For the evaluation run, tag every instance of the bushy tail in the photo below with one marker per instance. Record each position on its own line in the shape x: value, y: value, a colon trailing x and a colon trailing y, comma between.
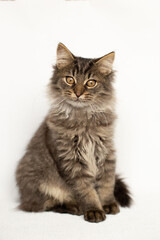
x: 122, y: 193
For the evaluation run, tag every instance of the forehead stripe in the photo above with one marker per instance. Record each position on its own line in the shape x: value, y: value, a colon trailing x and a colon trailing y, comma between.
x: 87, y: 68
x: 89, y: 74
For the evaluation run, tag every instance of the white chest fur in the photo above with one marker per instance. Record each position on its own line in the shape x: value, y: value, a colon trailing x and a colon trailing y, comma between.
x: 93, y: 152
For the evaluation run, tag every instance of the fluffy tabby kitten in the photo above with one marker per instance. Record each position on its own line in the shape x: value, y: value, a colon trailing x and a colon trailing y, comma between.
x: 69, y: 164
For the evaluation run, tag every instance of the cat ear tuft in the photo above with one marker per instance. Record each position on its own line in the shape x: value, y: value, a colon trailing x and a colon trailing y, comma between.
x: 64, y: 56
x: 105, y: 63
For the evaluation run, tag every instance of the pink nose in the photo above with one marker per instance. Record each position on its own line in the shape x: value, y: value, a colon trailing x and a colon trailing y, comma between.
x: 78, y: 94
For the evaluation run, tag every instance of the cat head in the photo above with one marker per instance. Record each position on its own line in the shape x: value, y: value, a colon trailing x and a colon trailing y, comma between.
x: 82, y: 82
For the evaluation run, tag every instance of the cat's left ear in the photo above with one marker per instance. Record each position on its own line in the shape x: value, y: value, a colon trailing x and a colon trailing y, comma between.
x: 105, y: 63
x: 64, y: 56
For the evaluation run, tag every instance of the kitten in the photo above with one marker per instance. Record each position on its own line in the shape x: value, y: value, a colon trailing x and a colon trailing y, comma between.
x: 69, y: 164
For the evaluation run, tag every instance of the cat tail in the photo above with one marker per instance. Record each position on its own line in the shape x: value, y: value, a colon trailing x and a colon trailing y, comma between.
x: 122, y: 193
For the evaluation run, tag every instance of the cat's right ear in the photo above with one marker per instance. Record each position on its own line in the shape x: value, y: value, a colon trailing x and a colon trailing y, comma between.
x: 64, y: 56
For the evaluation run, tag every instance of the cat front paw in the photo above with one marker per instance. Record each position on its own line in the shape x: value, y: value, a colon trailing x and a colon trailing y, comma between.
x: 73, y: 209
x: 94, y: 216
x: 70, y: 208
x: 112, y: 208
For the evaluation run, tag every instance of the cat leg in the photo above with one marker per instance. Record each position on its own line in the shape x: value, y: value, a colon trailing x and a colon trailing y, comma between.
x: 106, y: 194
x: 33, y: 201
x: 76, y: 175
x: 90, y: 202
x: 105, y: 189
x: 87, y: 199
x: 38, y: 202
x: 65, y: 201
x: 81, y: 199
x: 61, y: 198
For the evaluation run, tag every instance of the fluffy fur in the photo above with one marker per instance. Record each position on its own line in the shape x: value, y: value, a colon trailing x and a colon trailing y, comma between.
x: 69, y: 164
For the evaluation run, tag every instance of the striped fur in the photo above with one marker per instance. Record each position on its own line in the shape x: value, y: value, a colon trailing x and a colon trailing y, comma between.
x: 69, y: 165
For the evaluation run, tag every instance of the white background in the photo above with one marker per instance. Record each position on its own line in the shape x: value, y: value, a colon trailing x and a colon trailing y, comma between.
x: 29, y: 34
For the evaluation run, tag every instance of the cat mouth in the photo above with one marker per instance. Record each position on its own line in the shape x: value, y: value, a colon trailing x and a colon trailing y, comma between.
x: 80, y: 100
x: 77, y: 102
x: 77, y: 99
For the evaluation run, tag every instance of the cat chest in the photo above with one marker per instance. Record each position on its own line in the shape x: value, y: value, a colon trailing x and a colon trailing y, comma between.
x: 92, y: 152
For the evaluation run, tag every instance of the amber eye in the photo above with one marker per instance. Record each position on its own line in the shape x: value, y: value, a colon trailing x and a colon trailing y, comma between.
x: 91, y: 83
x: 69, y: 80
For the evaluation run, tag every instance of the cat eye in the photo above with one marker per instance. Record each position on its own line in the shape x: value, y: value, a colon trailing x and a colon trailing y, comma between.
x: 69, y: 80
x: 91, y: 83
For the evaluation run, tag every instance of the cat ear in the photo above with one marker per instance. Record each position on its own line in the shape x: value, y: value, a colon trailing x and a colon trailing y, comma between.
x: 64, y: 56
x: 105, y: 63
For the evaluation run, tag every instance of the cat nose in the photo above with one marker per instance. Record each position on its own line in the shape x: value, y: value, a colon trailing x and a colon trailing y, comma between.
x: 78, y: 94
